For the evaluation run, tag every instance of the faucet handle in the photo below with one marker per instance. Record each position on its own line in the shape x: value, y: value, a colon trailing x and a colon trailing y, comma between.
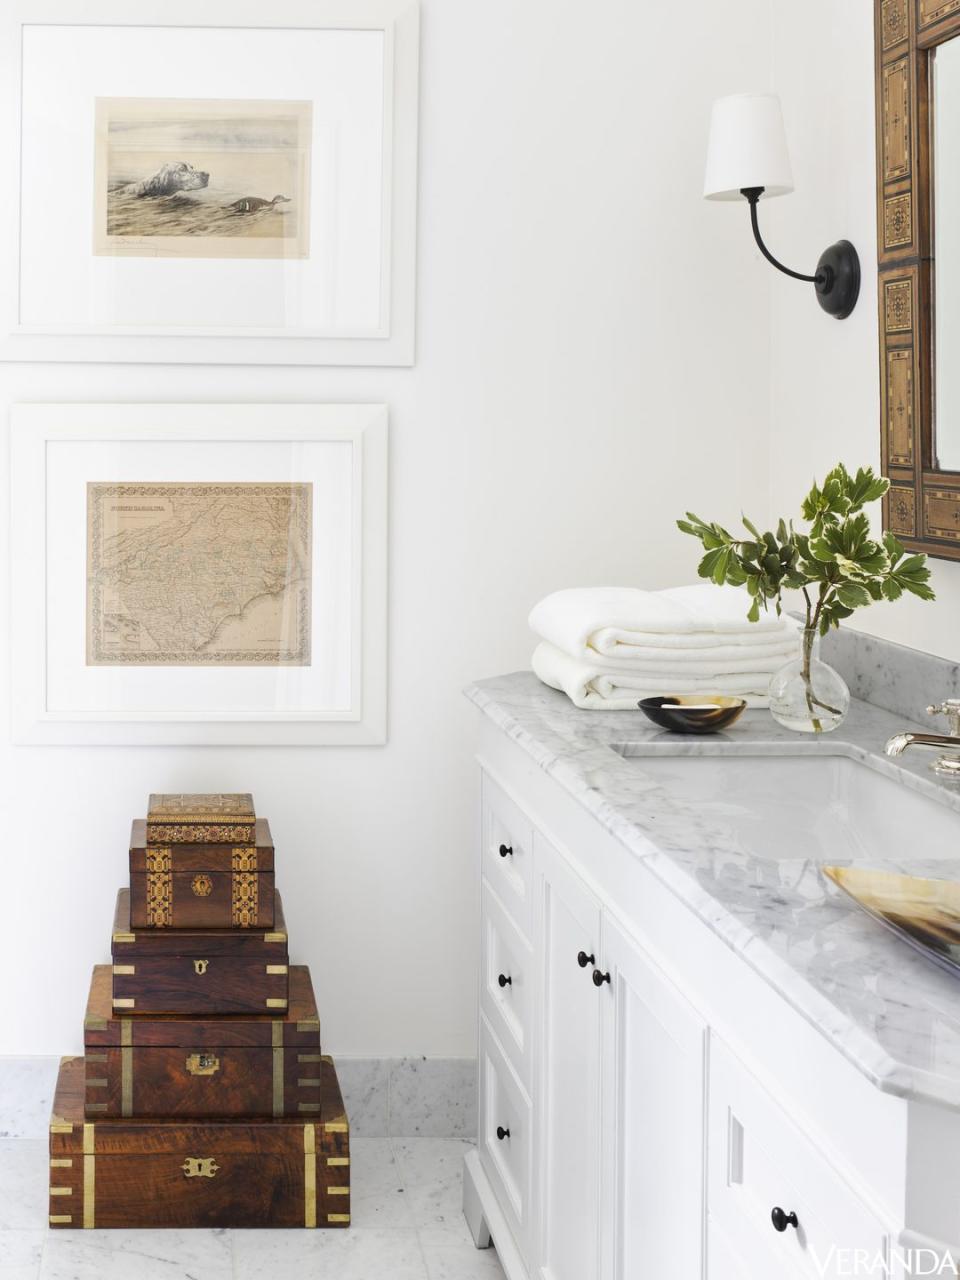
x: 950, y: 707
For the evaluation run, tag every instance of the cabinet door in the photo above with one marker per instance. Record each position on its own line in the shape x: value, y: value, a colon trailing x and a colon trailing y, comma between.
x: 654, y: 1048
x: 569, y: 1073
x: 762, y: 1157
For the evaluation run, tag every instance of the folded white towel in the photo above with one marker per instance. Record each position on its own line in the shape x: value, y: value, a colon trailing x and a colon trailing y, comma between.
x: 598, y: 688
x: 614, y: 623
x: 724, y: 660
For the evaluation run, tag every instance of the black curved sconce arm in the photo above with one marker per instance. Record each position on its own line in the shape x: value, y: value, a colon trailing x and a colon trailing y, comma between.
x: 753, y: 195
x: 837, y: 280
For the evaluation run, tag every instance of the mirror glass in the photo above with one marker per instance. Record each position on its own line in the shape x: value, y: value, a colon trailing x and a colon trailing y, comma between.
x: 945, y: 90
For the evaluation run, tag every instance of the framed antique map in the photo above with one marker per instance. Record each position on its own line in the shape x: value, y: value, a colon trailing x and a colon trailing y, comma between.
x: 193, y: 574
x: 199, y: 573
x: 209, y: 181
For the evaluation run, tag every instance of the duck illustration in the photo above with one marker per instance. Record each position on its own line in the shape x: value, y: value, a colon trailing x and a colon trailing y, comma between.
x: 253, y: 204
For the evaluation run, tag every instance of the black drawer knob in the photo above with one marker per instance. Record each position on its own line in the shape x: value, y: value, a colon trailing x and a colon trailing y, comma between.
x: 583, y: 959
x: 600, y: 978
x: 502, y: 1133
x: 504, y: 980
x: 506, y: 849
x: 782, y: 1220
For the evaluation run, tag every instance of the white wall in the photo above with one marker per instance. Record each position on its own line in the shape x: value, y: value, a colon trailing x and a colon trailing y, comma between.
x: 825, y: 389
x: 593, y: 359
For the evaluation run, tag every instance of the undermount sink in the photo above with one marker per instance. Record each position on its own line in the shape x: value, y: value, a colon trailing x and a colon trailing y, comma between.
x: 827, y: 808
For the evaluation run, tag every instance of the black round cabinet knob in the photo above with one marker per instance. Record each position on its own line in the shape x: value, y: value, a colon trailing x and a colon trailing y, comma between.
x: 502, y: 1133
x: 504, y: 980
x: 600, y: 978
x: 505, y: 849
x: 782, y: 1220
x: 583, y: 959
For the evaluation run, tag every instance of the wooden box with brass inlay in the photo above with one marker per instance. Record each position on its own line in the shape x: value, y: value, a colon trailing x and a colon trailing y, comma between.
x: 210, y: 818
x: 201, y: 886
x: 198, y: 1173
x: 241, y: 1065
x: 198, y: 971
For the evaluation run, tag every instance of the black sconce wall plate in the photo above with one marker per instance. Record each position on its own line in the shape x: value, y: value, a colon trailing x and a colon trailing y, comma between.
x: 837, y: 278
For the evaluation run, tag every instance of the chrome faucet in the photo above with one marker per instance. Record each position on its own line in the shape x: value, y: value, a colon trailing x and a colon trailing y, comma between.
x: 947, y: 764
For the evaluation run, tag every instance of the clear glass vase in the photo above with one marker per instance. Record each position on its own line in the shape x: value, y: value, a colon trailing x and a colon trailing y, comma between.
x: 806, y: 694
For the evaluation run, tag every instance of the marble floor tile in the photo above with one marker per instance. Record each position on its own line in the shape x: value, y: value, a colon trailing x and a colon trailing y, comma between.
x: 450, y: 1254
x: 378, y: 1197
x: 24, y: 1183
x: 432, y: 1174
x: 26, y: 1095
x: 353, y: 1254
x: 137, y: 1255
x: 433, y: 1098
x: 363, y: 1082
x: 20, y: 1254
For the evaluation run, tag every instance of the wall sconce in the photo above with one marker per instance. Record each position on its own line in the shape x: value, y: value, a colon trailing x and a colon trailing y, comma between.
x: 747, y: 156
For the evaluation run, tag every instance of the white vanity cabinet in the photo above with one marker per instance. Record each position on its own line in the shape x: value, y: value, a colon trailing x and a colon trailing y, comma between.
x: 620, y: 1187
x: 758, y: 1158
x: 647, y: 1100
x: 604, y: 1131
x: 567, y: 1071
x: 653, y: 1059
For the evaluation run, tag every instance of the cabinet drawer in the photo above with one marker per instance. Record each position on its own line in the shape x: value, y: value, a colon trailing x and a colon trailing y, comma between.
x: 507, y: 836
x: 506, y: 965
x: 758, y: 1160
x: 504, y: 1109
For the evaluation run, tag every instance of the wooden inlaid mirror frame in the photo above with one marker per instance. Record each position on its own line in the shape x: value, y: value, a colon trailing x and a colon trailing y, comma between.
x: 923, y: 505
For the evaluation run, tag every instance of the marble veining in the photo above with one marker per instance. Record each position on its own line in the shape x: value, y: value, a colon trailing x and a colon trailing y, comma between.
x: 364, y: 1083
x: 904, y: 681
x: 891, y: 1012
x: 26, y: 1096
x: 148, y: 1255
x: 24, y: 1184
x: 433, y: 1098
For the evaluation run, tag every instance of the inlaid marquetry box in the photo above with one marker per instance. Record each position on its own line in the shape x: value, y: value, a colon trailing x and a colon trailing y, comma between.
x: 178, y: 1172
x: 199, y: 971
x: 241, y: 1065
x: 201, y: 886
x: 207, y: 818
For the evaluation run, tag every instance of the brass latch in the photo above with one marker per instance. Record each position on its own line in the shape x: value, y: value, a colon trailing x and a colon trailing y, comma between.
x: 203, y: 1064
x: 200, y: 1166
x: 200, y: 966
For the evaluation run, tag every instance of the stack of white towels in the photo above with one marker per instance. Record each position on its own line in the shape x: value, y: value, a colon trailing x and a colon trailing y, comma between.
x: 607, y: 647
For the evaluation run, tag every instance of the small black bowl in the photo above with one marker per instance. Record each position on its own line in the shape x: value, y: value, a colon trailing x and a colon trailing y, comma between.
x: 692, y: 714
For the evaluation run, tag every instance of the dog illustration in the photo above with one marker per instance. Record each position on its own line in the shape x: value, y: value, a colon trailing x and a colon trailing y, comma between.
x: 170, y: 180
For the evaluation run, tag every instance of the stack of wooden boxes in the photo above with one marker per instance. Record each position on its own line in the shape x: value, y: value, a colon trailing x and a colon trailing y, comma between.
x: 202, y: 1098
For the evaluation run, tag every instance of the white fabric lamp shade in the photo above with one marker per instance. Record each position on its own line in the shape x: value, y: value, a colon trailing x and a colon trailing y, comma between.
x: 747, y: 148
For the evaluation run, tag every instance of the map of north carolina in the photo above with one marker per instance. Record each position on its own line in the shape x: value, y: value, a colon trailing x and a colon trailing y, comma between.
x: 197, y: 574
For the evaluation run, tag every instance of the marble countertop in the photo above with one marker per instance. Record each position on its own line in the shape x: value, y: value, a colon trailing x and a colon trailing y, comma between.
x: 888, y: 1009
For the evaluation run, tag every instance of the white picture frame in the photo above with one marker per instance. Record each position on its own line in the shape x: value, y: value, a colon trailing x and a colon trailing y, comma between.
x: 61, y: 453
x: 349, y: 301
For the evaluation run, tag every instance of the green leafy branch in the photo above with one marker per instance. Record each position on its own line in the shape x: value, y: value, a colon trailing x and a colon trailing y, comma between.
x: 837, y: 565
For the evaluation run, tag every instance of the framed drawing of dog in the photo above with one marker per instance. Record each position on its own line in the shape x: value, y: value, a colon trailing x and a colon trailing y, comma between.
x: 209, y: 181
x: 202, y: 179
